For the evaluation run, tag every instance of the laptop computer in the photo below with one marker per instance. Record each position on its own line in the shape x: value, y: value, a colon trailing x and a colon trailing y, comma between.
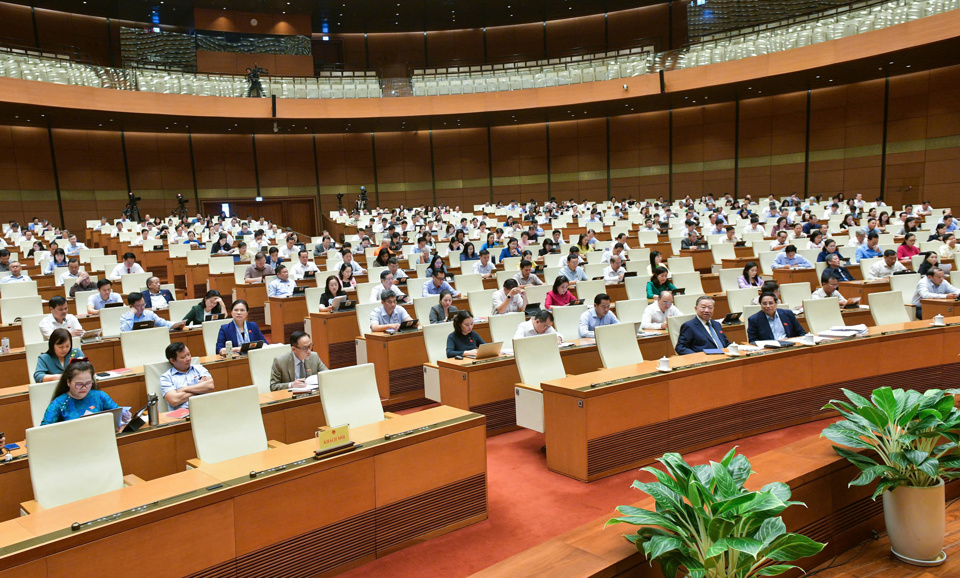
x: 142, y: 325
x: 488, y: 350
x: 731, y: 318
x: 250, y: 345
x: 299, y: 291
x: 409, y: 325
x: 91, y: 336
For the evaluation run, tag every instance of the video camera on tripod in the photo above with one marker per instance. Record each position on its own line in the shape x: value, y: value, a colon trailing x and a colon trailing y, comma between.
x: 182, y: 207
x: 362, y: 199
x: 132, y: 211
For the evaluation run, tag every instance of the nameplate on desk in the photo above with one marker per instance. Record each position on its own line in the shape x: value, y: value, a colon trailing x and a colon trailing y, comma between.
x: 328, y: 439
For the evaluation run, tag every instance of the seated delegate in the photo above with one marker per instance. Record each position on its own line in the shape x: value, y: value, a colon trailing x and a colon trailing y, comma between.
x: 60, y: 351
x: 211, y: 304
x: 184, y: 380
x: 440, y: 312
x: 539, y: 324
x: 656, y: 314
x: 138, y: 312
x: 293, y: 368
x: 772, y: 323
x: 463, y: 341
x: 155, y: 297
x: 702, y: 332
x: 388, y: 315
x: 597, y: 316
x: 59, y: 318
x: 238, y: 331
x: 102, y: 297
x: 77, y: 395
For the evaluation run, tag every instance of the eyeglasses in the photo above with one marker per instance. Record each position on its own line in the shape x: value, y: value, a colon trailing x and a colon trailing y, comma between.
x: 306, y: 348
x: 83, y: 384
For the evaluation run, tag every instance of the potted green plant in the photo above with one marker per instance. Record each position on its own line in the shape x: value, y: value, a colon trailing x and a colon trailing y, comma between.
x: 707, y: 525
x: 914, y: 436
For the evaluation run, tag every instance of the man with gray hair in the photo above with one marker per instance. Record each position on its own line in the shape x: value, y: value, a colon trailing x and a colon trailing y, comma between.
x: 701, y: 333
x: 155, y: 297
x: 858, y: 237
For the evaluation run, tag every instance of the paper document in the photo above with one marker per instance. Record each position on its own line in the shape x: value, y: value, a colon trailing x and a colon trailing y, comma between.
x: 647, y: 334
x: 835, y: 333
x: 749, y: 348
x: 567, y: 344
x: 853, y: 328
x: 768, y: 343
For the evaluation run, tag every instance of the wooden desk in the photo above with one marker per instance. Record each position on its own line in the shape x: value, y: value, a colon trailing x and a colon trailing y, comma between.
x: 930, y: 308
x: 594, y: 429
x: 784, y: 276
x: 863, y: 289
x: 333, y: 337
x: 702, y: 259
x: 303, y: 517
x: 222, y: 282
x: 286, y: 316
x: 195, y: 280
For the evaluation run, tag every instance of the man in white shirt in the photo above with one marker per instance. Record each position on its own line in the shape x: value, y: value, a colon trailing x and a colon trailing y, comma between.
x: 858, y: 238
x: 16, y: 274
x: 616, y: 250
x: 615, y: 272
x: 933, y: 286
x: 885, y: 267
x: 656, y: 314
x: 348, y: 260
x: 283, y: 285
x: 59, y: 318
x: 72, y: 272
x: 540, y: 324
x: 828, y: 288
x: 780, y: 243
x: 949, y: 248
x: 128, y: 266
x: 512, y: 298
x: 288, y: 250
x: 305, y: 266
x: 754, y: 226
x: 483, y: 266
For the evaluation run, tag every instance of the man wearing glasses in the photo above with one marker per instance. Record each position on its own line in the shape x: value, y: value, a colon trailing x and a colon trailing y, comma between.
x: 292, y: 369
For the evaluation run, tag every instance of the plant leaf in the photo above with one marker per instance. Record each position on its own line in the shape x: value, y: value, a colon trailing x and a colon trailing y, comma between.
x: 656, y: 546
x: 778, y: 489
x: 859, y: 460
x: 885, y: 401
x: 748, y: 546
x: 774, y: 570
x: 726, y: 488
x: 931, y: 467
x: 739, y: 469
x: 644, y: 518
x: 916, y: 457
x: 791, y: 547
x: 855, y: 397
x: 770, y: 529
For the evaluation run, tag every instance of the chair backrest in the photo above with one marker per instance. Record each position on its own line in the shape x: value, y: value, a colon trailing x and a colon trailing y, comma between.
x: 422, y: 305
x: 110, y: 320
x: 738, y: 298
x: 687, y: 301
x: 680, y: 264
x: 537, y: 293
x: 865, y: 265
x: 674, y: 323
x: 636, y: 287
x: 363, y: 291
x: 538, y: 359
x: 238, y: 272
x: 728, y: 279
x: 906, y: 284
x: 689, y: 281
x: 887, y: 308
x: 312, y: 295
x: 503, y: 327
x: 86, y: 254
x: 566, y: 320
x: 40, y: 395
x: 179, y: 309
x: 766, y: 261
x: 151, y: 374
x: 13, y: 307
x: 749, y: 311
x: 349, y: 396
x: 81, y: 298
x: 104, y: 263
x: 221, y: 265
x: 587, y: 290
x: 511, y: 264
x: 481, y: 302
x: 618, y: 345
x: 197, y: 258
x: 22, y: 289
x: 363, y: 316
x: 144, y: 346
x: 227, y: 424
x: 631, y: 310
x: 210, y: 331
x: 134, y: 282
x: 793, y: 294
x: 594, y: 270
x: 722, y: 251
x: 261, y: 362
x: 822, y: 314
x: 30, y: 327
x: 435, y: 339
x: 502, y: 276
x: 469, y: 283
x: 73, y: 460
x: 415, y: 286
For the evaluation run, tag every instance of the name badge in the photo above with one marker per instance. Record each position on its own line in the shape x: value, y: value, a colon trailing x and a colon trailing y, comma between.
x: 328, y: 439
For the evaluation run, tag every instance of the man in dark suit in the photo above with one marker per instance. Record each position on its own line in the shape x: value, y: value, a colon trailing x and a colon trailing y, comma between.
x: 772, y: 324
x: 835, y: 269
x: 701, y: 332
x: 155, y: 297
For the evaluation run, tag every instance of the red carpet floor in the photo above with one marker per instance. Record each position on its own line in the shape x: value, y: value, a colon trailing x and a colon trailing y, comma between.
x: 528, y: 504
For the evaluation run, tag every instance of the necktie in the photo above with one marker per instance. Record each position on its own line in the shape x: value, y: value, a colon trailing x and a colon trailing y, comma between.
x: 128, y: 270
x: 301, y: 370
x: 713, y: 335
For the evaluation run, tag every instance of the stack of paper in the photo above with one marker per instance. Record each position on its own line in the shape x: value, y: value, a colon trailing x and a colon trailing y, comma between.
x: 311, y: 385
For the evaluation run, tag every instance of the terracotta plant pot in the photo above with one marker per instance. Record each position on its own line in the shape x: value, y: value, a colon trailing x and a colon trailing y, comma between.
x: 916, y: 521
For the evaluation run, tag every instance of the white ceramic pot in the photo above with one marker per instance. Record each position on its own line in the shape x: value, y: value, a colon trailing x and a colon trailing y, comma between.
x: 916, y: 521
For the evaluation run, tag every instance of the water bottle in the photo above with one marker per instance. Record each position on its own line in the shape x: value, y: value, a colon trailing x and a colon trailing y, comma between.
x: 153, y: 413
x: 5, y: 345
x: 229, y: 347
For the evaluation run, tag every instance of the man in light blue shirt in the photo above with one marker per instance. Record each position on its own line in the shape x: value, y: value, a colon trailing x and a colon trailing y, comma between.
x: 184, y: 380
x: 598, y: 316
x: 789, y: 259
x: 388, y: 315
x: 73, y: 248
x: 138, y: 312
x: 950, y: 223
x: 102, y: 297
x: 934, y: 286
x: 16, y: 274
x: 437, y: 284
x: 573, y: 271
x: 283, y: 285
x: 869, y: 249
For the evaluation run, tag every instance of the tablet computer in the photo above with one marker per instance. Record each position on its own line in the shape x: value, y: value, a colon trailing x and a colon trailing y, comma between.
x: 488, y: 350
x: 409, y: 325
x: 91, y: 336
x: 299, y: 291
x: 250, y: 345
x: 142, y: 325
x: 109, y: 305
x: 731, y: 318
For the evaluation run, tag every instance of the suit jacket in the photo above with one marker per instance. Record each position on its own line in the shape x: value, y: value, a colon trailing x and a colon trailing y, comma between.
x: 758, y: 329
x: 284, y: 371
x: 842, y: 272
x: 165, y: 293
x: 228, y: 332
x: 694, y: 338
